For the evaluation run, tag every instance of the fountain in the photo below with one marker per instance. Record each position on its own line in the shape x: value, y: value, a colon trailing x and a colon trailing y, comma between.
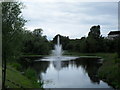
x: 58, y: 48
x: 57, y: 54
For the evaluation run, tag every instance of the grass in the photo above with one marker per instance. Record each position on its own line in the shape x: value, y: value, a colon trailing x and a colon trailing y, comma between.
x: 14, y: 76
x: 109, y: 71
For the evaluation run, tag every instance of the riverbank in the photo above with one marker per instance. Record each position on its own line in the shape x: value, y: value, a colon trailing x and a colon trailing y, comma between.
x: 109, y: 71
x: 15, y: 79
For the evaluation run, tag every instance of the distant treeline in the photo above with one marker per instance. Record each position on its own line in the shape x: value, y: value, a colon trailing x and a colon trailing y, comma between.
x: 93, y: 43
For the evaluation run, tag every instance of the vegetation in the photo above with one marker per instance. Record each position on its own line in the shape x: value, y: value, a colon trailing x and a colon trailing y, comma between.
x: 17, y: 41
x: 12, y: 26
x: 109, y: 72
x: 16, y: 80
x: 31, y: 74
x: 35, y: 43
x: 93, y: 43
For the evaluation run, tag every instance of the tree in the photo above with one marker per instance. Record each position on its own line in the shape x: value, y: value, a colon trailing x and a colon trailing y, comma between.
x: 94, y: 32
x: 94, y: 39
x: 35, y: 43
x: 12, y: 26
x: 84, y: 45
x: 38, y: 32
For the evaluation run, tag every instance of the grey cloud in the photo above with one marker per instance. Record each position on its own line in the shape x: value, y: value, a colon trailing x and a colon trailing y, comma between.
x: 71, y: 17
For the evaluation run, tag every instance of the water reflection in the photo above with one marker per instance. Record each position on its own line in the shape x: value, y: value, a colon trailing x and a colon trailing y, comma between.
x: 78, y: 73
x: 91, y: 67
x: 57, y: 65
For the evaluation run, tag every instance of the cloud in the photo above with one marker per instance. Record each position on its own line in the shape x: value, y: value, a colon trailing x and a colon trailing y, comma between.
x: 71, y: 19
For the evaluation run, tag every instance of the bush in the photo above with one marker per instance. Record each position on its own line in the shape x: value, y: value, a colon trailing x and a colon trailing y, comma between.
x: 17, y: 66
x: 30, y: 73
x: 110, y: 73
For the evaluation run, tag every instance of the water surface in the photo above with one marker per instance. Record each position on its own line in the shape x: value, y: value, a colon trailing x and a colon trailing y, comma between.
x: 77, y: 73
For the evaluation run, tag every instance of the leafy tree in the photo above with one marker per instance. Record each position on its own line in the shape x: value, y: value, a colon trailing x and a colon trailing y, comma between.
x: 94, y: 32
x: 92, y: 45
x: 84, y: 45
x: 93, y: 39
x: 38, y: 32
x: 71, y: 45
x: 12, y: 26
x: 35, y: 43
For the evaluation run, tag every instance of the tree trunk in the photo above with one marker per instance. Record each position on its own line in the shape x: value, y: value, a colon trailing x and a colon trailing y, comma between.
x: 3, y: 71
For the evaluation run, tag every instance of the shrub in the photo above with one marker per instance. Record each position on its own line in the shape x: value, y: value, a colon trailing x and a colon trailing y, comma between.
x: 30, y: 73
x: 17, y: 66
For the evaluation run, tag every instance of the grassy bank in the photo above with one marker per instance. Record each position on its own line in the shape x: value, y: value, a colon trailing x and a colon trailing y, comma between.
x: 14, y: 79
x: 109, y: 71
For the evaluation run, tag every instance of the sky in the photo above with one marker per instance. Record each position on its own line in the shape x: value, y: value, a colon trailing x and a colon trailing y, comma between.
x: 71, y: 18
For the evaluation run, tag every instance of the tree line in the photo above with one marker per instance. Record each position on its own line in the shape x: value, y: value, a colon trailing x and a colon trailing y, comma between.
x: 93, y: 43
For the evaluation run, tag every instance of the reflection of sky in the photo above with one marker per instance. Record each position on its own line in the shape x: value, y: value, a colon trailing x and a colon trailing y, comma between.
x: 70, y: 77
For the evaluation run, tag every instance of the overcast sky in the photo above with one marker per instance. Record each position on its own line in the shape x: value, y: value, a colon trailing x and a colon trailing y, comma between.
x: 70, y: 18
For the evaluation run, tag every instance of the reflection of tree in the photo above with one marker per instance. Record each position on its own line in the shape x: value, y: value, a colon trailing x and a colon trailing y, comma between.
x: 57, y: 65
x: 91, y: 66
x: 41, y: 67
x: 65, y: 64
x: 27, y: 61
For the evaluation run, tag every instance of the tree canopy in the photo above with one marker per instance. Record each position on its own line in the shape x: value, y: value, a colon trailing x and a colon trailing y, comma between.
x: 94, y: 32
x: 12, y: 26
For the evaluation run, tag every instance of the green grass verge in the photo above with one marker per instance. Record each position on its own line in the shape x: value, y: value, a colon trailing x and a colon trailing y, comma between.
x: 14, y: 76
x: 109, y: 71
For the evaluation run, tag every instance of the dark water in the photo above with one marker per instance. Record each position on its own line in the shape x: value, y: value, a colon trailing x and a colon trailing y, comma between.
x: 78, y: 73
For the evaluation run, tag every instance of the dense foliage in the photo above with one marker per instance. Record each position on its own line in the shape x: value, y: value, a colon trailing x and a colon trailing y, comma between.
x: 34, y: 43
x: 12, y: 26
x: 16, y: 40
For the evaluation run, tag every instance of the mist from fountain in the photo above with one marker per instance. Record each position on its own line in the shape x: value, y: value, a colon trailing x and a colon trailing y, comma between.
x: 58, y: 48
